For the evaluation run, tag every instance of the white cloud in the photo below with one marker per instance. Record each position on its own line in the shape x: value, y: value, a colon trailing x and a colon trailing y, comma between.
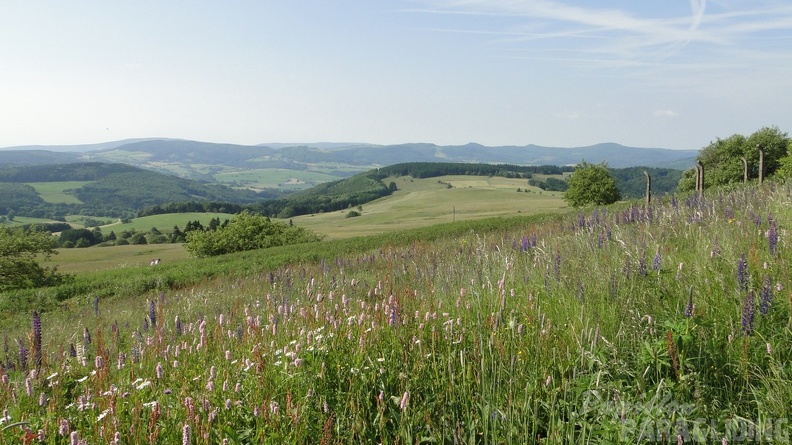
x: 665, y: 113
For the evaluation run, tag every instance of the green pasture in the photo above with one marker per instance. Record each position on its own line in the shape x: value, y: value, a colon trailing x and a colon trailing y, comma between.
x: 424, y: 202
x: 417, y: 203
x: 24, y: 220
x: 122, y: 156
x: 57, y: 192
x: 165, y: 222
x: 76, y: 261
x: 275, y: 178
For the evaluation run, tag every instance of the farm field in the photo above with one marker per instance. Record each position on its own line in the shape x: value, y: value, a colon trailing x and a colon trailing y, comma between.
x: 274, y: 178
x: 56, y: 192
x: 164, y: 222
x: 86, y: 260
x: 414, y: 205
x: 423, y: 202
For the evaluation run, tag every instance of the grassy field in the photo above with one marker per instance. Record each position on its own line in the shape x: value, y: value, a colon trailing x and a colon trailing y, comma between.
x: 414, y: 205
x: 165, y: 222
x: 423, y: 202
x: 274, y: 178
x: 666, y: 323
x: 24, y: 220
x: 56, y: 192
x: 77, y: 261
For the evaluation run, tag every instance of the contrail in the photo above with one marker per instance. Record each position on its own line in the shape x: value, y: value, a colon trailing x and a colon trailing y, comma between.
x: 698, y: 7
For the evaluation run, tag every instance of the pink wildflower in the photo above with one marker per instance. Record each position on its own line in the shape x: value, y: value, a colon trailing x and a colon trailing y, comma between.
x: 404, y: 399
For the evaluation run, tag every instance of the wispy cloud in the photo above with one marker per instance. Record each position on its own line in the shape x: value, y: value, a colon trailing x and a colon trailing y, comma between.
x: 665, y: 113
x: 596, y: 37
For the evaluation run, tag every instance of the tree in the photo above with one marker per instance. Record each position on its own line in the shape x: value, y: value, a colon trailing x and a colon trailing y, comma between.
x: 19, y: 250
x: 591, y: 184
x: 722, y: 158
x: 138, y: 238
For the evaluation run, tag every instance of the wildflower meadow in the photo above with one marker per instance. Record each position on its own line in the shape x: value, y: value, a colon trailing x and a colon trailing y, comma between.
x: 661, y: 323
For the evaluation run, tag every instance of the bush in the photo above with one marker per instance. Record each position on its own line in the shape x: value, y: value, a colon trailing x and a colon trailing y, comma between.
x: 246, y: 231
x: 353, y: 214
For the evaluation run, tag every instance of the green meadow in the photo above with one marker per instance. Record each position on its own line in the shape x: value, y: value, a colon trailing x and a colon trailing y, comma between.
x: 274, y: 178
x: 164, y: 222
x: 529, y: 323
x: 58, y: 192
x: 424, y: 202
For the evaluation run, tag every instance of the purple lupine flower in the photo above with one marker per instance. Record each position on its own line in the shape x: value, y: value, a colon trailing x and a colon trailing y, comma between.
x: 86, y: 337
x: 525, y: 244
x: 689, y: 306
x: 178, y: 323
x: 748, y: 314
x: 72, y: 350
x: 152, y: 314
x: 23, y: 354
x: 394, y: 317
x: 657, y: 262
x: 767, y: 296
x: 36, y: 323
x: 772, y: 237
x: 742, y: 273
x: 96, y: 306
x: 642, y: 266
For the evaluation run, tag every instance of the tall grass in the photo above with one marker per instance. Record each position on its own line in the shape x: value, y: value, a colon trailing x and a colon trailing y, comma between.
x: 624, y: 324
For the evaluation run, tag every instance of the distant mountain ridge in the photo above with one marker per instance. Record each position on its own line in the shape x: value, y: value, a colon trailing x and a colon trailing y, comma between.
x: 175, y: 155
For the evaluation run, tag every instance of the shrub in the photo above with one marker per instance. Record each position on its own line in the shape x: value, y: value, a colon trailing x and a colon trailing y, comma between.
x: 246, y: 231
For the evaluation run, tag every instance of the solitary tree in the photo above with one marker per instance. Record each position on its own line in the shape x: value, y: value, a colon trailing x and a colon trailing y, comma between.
x: 19, y: 251
x: 591, y: 184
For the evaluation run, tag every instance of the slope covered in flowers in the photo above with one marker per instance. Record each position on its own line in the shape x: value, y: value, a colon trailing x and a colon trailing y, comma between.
x: 662, y: 322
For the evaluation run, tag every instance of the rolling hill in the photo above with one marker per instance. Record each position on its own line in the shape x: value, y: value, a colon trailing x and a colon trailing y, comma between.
x: 100, y: 189
x: 211, y: 162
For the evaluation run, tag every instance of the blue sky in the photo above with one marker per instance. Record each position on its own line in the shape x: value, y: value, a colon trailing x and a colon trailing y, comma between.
x: 671, y: 74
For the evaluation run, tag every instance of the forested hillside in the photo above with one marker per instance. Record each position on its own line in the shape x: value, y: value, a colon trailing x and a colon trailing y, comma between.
x: 114, y: 190
x: 142, y: 188
x: 87, y: 171
x: 328, y: 197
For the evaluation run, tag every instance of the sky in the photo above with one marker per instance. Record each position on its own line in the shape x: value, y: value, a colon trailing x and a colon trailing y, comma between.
x: 669, y: 74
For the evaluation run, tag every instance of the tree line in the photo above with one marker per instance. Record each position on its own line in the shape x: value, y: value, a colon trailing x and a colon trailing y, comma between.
x: 421, y: 170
